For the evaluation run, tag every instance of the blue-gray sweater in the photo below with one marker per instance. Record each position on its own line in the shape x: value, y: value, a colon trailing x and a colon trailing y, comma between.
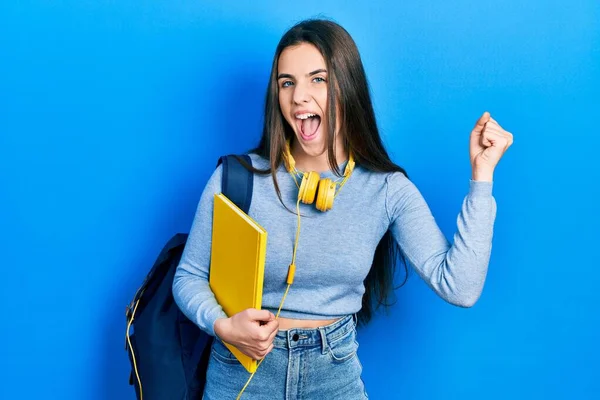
x: 336, y: 248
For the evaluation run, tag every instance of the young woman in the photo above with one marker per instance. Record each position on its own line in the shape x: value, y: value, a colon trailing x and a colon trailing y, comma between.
x: 320, y: 134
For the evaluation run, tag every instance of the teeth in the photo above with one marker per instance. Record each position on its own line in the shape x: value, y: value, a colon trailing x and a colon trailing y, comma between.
x: 305, y: 116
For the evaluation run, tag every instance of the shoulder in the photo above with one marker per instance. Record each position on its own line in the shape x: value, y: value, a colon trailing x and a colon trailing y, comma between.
x: 380, y: 181
x: 391, y: 185
x: 396, y: 180
x: 401, y: 194
x: 397, y: 183
x: 258, y: 161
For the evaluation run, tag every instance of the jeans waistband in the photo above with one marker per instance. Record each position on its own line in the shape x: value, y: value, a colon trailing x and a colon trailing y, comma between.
x: 301, y: 337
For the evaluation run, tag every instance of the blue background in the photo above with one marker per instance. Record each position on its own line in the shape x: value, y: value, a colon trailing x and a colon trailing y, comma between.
x: 113, y: 114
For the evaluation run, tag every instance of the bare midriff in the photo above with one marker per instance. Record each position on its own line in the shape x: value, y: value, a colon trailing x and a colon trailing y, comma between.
x: 290, y: 323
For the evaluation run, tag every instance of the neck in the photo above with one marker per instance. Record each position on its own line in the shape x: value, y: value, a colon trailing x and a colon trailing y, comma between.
x: 319, y: 163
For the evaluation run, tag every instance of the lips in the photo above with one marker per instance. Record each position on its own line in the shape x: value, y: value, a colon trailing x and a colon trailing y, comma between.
x: 308, y: 124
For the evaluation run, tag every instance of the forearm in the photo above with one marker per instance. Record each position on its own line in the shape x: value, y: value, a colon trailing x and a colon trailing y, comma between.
x: 462, y: 274
x: 196, y: 300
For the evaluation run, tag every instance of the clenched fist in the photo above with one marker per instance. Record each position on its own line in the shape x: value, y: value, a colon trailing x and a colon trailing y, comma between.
x: 488, y: 143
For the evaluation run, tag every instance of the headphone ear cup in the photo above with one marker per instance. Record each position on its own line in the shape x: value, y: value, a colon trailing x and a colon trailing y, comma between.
x: 308, y: 187
x: 326, y: 195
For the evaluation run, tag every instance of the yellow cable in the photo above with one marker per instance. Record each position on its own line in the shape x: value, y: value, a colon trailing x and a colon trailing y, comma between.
x: 131, y: 348
x: 294, y: 177
x: 248, y: 382
x: 341, y: 185
x: 297, y: 231
x: 290, y: 280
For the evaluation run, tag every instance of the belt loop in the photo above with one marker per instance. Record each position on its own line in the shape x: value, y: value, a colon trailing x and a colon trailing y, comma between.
x: 324, y: 344
x: 355, y: 319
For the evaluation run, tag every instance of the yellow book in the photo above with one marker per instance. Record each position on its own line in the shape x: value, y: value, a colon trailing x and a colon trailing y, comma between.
x: 237, y: 263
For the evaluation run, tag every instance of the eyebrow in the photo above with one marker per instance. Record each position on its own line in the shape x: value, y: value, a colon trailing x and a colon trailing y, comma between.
x: 309, y: 74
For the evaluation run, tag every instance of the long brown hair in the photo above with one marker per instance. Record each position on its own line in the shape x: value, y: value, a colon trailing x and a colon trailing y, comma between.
x: 349, y: 90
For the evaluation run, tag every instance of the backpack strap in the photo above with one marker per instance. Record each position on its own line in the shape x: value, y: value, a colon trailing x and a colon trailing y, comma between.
x: 237, y: 181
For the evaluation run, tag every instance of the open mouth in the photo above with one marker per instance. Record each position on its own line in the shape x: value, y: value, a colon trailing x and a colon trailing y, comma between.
x: 308, y: 124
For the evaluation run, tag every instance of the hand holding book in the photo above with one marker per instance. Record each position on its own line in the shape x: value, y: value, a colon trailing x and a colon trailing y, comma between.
x: 251, y: 331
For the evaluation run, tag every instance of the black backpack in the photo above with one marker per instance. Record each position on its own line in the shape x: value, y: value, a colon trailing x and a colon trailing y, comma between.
x: 169, y: 353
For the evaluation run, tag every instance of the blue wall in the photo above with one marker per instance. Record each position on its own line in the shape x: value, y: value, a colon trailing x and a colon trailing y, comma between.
x: 112, y: 115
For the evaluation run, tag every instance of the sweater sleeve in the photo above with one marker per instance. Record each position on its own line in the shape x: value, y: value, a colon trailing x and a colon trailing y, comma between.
x: 457, y: 271
x: 191, y: 289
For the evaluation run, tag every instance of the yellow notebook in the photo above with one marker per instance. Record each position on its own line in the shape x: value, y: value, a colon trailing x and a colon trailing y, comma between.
x: 237, y: 264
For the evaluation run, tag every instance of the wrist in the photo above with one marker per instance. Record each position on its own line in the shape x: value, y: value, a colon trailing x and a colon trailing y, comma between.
x: 220, y: 327
x: 482, y: 175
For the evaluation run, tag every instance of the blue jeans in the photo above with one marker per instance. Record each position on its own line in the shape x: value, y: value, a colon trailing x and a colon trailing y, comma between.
x: 305, y: 364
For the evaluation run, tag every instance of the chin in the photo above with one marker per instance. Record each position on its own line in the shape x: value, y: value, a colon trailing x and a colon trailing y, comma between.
x: 314, y: 148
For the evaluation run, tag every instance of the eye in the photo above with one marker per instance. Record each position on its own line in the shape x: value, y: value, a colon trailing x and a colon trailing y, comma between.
x: 286, y: 84
x: 319, y: 79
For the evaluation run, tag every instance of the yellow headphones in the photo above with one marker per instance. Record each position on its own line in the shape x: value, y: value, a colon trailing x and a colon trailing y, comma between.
x: 312, y: 185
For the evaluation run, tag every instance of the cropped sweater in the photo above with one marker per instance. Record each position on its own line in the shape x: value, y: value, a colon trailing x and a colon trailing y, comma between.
x: 336, y: 248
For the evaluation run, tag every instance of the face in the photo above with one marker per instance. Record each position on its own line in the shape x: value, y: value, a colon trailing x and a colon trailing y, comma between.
x: 302, y: 80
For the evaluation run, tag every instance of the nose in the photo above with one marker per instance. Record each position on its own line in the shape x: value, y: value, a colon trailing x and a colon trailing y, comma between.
x: 301, y: 93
